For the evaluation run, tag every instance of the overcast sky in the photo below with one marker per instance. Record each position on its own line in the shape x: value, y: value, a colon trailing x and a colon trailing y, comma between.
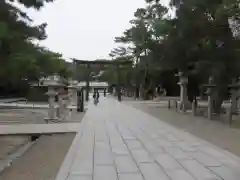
x: 85, y: 29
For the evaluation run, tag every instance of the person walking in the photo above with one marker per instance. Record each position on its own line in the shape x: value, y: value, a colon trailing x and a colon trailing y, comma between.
x: 96, y: 97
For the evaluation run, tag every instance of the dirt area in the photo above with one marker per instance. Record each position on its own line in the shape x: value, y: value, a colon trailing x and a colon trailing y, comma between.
x: 44, y: 158
x: 214, y: 132
x: 10, y: 144
x: 42, y: 161
x: 22, y: 116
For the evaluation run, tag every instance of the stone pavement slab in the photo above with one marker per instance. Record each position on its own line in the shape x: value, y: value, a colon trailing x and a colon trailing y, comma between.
x: 118, y: 142
x: 179, y: 174
x: 105, y: 172
x: 80, y: 178
x: 152, y: 171
x: 137, y: 176
x: 198, y: 170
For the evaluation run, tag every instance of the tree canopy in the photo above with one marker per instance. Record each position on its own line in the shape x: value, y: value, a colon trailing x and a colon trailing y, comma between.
x: 21, y: 58
x: 199, y: 38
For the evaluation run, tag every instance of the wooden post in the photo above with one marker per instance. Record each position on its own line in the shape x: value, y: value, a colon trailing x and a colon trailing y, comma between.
x: 137, y: 85
x: 210, y: 106
x: 194, y: 108
x: 87, y: 82
x: 176, y: 105
x: 80, y: 100
x: 210, y: 100
x: 118, y: 84
x: 229, y: 113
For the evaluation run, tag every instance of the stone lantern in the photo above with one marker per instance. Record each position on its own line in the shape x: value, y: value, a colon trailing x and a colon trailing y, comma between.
x: 73, y: 92
x: 52, y: 83
x: 210, y: 91
x: 234, y: 91
x: 184, y: 102
x: 51, y: 111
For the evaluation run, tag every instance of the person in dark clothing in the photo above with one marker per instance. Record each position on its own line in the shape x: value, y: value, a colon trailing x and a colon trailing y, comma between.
x: 96, y: 96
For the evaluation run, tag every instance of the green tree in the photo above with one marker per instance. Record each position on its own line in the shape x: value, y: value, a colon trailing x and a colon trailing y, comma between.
x: 21, y: 59
x: 207, y: 42
x: 200, y: 40
x: 144, y: 39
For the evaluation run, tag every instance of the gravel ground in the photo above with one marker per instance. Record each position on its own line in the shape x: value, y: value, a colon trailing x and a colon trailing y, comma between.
x: 42, y: 161
x: 44, y: 158
x: 214, y: 132
x: 9, y: 144
x: 22, y: 116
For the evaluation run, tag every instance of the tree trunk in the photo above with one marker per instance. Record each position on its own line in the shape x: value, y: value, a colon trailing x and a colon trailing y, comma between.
x: 137, y: 92
x: 218, y: 97
x: 143, y: 93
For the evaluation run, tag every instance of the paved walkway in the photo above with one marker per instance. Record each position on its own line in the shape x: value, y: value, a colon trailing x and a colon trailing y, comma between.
x: 118, y: 142
x: 216, y: 131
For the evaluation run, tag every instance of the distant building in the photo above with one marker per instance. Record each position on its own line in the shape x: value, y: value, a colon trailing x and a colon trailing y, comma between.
x: 55, y: 78
x: 94, y: 84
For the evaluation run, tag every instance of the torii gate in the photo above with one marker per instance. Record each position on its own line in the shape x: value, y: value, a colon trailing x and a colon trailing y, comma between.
x: 105, y: 64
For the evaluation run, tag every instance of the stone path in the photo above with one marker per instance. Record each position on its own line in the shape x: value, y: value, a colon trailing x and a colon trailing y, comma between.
x: 216, y: 131
x: 118, y: 142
